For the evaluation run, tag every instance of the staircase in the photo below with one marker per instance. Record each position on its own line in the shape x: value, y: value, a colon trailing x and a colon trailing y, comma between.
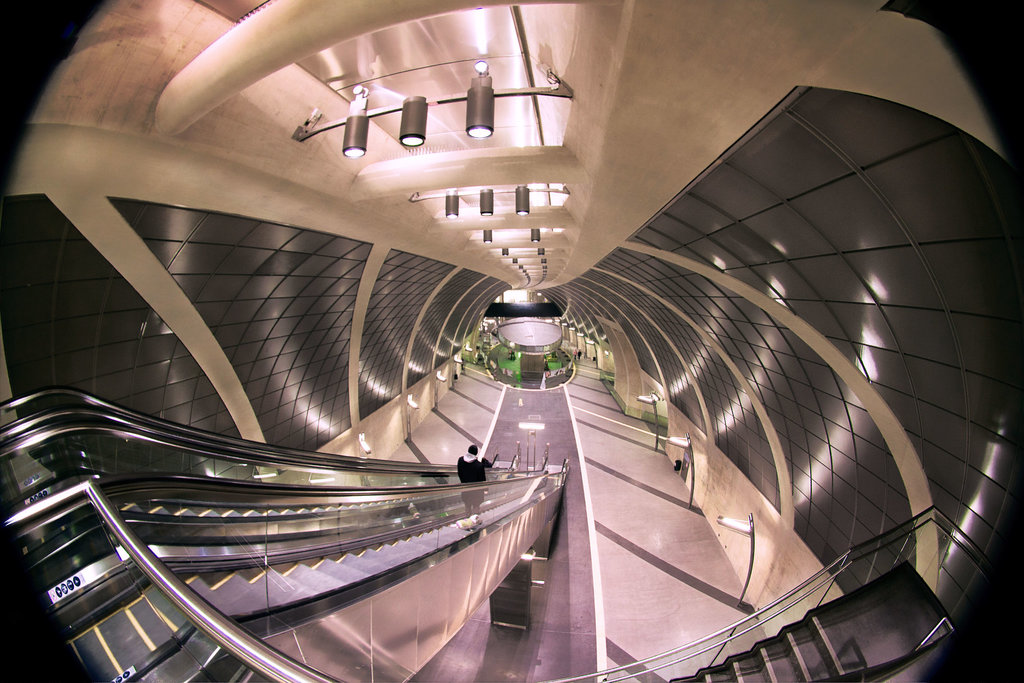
x: 850, y: 638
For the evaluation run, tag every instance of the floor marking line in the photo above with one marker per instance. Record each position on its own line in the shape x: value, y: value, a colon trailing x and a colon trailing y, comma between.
x: 641, y: 672
x: 672, y: 570
x: 457, y: 427
x: 639, y: 484
x: 471, y: 400
x: 623, y: 424
x: 599, y: 625
x: 494, y: 421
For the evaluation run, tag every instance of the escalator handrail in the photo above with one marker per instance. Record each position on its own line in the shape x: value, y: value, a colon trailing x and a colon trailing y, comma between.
x: 58, y: 425
x: 244, y: 646
x: 42, y: 424
x: 248, y: 649
x: 88, y: 407
x: 826, y: 575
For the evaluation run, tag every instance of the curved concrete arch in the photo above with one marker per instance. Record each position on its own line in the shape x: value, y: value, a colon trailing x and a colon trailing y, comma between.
x: 279, y: 34
x: 611, y: 304
x: 705, y: 414
x: 89, y: 210
x: 786, y: 508
x: 374, y: 262
x: 907, y: 460
x: 407, y: 356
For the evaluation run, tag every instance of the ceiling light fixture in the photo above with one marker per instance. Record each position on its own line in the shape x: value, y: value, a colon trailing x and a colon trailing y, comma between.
x: 451, y: 204
x: 523, y: 200
x: 535, y: 234
x: 515, y: 260
x: 488, y: 237
x: 480, y: 103
x: 486, y: 202
x: 413, y: 132
x: 504, y: 251
x: 540, y: 251
x: 357, y: 125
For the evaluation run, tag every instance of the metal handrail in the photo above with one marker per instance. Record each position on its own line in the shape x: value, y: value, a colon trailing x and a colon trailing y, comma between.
x: 88, y: 408
x: 248, y: 649
x: 826, y: 575
x: 244, y: 646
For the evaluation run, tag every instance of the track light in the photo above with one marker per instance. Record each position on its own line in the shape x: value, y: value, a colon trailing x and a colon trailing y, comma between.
x: 413, y: 132
x: 504, y: 251
x: 451, y: 204
x: 523, y: 200
x: 488, y: 237
x: 480, y: 104
x: 357, y: 125
x: 486, y: 202
x: 534, y: 233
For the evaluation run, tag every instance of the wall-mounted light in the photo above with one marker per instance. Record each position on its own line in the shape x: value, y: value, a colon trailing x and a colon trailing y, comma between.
x: 412, y: 403
x: 534, y: 233
x: 451, y: 204
x: 480, y: 103
x: 362, y: 444
x: 652, y: 399
x: 681, y: 441
x: 413, y: 131
x: 684, y: 443
x: 742, y: 526
x: 523, y: 200
x: 357, y: 125
x: 440, y: 376
x: 486, y: 202
x: 746, y: 528
x: 488, y: 237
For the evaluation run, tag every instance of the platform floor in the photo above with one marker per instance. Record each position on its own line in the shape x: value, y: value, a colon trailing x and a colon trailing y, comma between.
x: 632, y: 572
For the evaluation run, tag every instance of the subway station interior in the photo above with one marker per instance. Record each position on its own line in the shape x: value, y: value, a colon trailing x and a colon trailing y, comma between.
x: 727, y: 293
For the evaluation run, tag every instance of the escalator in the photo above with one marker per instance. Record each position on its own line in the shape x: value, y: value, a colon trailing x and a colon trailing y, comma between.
x: 154, y: 575
x: 58, y: 437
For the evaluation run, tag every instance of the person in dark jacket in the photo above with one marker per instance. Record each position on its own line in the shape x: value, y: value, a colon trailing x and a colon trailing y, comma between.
x: 472, y: 468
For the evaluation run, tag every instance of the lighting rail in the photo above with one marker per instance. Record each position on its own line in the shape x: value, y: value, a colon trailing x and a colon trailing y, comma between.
x: 310, y: 128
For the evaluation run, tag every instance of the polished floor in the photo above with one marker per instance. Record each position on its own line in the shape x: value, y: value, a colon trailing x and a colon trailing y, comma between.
x: 632, y: 571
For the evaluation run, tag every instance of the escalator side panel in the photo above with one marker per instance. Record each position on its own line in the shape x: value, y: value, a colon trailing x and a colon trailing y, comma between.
x: 338, y: 644
x: 395, y: 632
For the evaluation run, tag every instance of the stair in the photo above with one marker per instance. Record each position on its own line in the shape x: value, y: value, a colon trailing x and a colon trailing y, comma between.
x: 869, y: 627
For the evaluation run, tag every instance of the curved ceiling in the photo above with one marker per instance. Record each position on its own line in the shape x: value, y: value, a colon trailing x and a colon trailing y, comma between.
x: 799, y: 217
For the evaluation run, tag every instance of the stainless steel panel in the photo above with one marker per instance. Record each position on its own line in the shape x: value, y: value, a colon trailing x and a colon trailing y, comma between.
x: 339, y: 644
x: 394, y: 630
x: 434, y: 597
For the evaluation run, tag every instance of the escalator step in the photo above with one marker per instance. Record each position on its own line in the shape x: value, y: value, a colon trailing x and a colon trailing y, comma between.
x: 251, y: 575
